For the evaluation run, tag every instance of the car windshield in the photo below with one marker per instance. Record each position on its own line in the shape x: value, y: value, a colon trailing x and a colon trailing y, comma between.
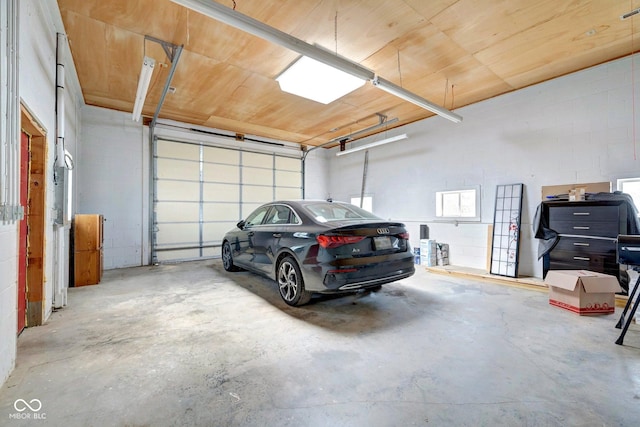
x: 328, y: 211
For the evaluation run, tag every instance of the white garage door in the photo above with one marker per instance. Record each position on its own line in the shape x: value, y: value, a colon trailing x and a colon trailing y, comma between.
x: 201, y: 191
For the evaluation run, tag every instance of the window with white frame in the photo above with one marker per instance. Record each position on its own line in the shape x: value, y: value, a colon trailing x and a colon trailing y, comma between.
x: 367, y: 202
x: 631, y: 186
x: 461, y: 205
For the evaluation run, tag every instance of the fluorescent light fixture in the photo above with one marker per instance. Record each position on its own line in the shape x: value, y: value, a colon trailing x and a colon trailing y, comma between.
x: 400, y: 92
x: 319, y: 82
x: 143, y: 86
x: 373, y: 144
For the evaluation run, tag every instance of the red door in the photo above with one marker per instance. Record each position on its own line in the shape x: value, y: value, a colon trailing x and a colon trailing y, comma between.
x: 22, y: 249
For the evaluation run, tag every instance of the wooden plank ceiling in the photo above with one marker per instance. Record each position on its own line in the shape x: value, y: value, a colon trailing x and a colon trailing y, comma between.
x: 451, y: 52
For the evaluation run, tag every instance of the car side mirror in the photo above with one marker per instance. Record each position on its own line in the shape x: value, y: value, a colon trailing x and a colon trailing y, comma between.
x: 240, y: 224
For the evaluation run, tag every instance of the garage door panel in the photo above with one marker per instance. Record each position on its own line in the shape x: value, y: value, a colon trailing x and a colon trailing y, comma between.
x: 257, y: 160
x: 288, y: 193
x: 221, y: 155
x: 221, y: 192
x: 177, y: 191
x: 212, y: 252
x: 256, y: 194
x: 178, y: 150
x: 288, y: 179
x: 247, y: 208
x: 201, y: 192
x: 221, y: 212
x: 220, y: 173
x: 288, y: 164
x: 257, y: 176
x: 177, y: 255
x: 214, y: 232
x: 170, y: 234
x: 178, y: 169
x: 177, y: 212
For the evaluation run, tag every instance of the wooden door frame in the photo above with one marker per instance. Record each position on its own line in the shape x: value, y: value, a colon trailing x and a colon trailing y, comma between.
x: 35, y: 212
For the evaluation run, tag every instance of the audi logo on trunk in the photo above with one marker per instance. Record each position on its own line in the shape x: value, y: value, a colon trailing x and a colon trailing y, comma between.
x: 383, y: 231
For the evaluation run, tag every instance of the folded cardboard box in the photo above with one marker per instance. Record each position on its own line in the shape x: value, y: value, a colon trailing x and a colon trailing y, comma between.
x: 582, y: 291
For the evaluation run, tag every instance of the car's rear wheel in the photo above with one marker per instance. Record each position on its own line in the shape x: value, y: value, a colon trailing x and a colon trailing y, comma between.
x: 227, y: 258
x: 290, y: 283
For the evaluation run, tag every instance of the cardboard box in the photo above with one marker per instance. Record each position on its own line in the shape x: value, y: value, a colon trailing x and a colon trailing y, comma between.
x: 581, y: 291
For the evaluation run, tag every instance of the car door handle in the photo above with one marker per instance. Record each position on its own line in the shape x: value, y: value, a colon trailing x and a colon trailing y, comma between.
x: 277, y: 235
x: 250, y: 233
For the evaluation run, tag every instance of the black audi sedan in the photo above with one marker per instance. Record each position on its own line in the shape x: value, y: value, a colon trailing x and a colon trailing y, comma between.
x: 317, y: 246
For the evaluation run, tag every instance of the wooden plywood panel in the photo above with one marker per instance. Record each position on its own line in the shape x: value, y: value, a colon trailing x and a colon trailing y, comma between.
x: 225, y: 77
x: 493, y: 21
x: 554, y: 40
x: 357, y: 38
x: 87, y: 232
x: 87, y: 39
x: 423, y: 51
x: 87, y: 267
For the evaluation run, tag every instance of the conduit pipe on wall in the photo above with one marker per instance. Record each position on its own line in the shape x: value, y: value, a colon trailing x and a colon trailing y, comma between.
x: 60, y: 251
x: 60, y: 43
x: 10, y: 209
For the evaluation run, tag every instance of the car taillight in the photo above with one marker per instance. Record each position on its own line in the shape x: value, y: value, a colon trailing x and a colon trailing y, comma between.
x: 404, y: 236
x: 335, y: 241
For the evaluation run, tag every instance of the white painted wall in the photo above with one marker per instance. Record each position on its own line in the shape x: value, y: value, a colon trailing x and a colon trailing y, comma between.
x: 574, y: 129
x: 111, y: 181
x: 317, y: 174
x: 39, y: 21
x: 8, y: 230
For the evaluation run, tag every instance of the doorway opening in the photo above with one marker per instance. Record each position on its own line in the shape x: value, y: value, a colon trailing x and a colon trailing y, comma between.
x: 32, y: 255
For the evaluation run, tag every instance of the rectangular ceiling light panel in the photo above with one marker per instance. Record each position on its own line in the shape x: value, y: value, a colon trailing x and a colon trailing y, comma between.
x: 319, y: 82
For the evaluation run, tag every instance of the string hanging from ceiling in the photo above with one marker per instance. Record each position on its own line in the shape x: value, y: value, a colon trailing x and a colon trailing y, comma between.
x: 399, y: 68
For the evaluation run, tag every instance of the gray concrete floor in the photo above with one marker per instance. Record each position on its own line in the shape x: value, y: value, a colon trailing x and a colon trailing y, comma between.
x: 190, y: 344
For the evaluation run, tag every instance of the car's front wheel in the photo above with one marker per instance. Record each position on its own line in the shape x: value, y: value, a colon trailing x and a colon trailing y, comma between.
x: 227, y: 258
x: 290, y: 283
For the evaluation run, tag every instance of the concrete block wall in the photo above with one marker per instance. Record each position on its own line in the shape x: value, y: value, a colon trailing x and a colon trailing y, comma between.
x: 112, y: 182
x: 577, y: 128
x: 8, y: 319
x: 316, y: 174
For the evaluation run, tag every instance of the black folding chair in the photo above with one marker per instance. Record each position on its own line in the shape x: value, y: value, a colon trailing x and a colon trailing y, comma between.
x: 628, y: 249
